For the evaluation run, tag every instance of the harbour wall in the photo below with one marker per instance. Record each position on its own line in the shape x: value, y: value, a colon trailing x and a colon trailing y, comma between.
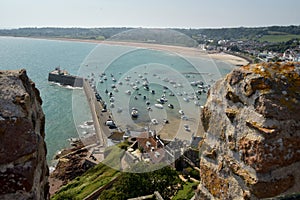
x: 73, y: 81
x: 95, y: 107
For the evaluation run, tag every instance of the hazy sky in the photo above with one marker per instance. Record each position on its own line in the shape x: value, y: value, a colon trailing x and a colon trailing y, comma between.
x: 148, y: 13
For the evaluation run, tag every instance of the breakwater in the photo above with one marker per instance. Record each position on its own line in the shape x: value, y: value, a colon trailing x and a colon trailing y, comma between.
x: 64, y: 78
x: 96, y: 108
x: 96, y: 105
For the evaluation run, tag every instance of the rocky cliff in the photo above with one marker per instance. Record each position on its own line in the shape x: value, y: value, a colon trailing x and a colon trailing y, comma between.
x: 23, y: 167
x: 251, y: 148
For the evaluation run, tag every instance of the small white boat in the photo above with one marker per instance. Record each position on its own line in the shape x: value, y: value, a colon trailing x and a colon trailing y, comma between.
x: 105, y: 78
x: 116, y: 90
x: 172, y: 82
x: 181, y: 112
x: 114, y: 80
x: 184, y: 117
x: 120, y: 83
x: 158, y: 105
x: 135, y: 87
x: 171, y: 106
x: 187, y: 129
x: 145, y: 83
x: 186, y: 99
x: 101, y: 81
x: 166, y: 80
x: 162, y: 100
x: 191, y: 97
x: 128, y: 92
x: 112, y: 105
x: 119, y: 110
x: 154, y: 121
x: 134, y: 113
x: 112, y: 99
x: 193, y: 83
x: 200, y: 82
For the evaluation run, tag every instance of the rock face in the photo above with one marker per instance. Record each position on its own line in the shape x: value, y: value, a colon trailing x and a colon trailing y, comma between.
x: 23, y: 166
x: 251, y: 148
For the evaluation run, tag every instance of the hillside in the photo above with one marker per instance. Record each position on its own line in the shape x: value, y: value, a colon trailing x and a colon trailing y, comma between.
x: 269, y: 34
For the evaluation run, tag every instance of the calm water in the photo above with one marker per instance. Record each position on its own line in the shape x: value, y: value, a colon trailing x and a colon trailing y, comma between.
x: 39, y: 57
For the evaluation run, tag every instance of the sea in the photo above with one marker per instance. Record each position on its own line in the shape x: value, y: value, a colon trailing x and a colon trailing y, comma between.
x: 66, y: 108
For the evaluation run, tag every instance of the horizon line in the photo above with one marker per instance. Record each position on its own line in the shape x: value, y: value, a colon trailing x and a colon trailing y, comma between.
x: 137, y: 27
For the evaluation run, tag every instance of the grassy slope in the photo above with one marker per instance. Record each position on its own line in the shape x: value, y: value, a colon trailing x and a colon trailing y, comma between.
x: 84, y: 185
x: 278, y: 38
x: 187, y: 192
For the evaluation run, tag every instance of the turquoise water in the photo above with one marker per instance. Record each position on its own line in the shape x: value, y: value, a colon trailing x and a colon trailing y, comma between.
x: 39, y: 57
x: 159, y: 68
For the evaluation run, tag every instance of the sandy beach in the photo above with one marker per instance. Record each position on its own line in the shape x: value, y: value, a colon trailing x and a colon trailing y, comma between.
x: 183, y: 51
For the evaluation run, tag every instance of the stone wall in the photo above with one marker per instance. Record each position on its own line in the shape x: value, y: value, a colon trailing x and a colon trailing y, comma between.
x: 23, y: 167
x: 251, y: 148
x: 70, y: 80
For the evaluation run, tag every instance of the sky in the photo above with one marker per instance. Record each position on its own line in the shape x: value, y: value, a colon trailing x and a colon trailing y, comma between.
x: 148, y: 13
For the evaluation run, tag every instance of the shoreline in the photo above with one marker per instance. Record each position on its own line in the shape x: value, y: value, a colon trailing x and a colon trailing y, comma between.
x: 183, y: 51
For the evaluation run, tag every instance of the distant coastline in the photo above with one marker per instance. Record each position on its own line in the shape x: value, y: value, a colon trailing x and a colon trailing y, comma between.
x: 183, y: 51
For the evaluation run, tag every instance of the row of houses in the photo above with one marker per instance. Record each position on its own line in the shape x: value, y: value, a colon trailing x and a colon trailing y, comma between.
x: 251, y: 48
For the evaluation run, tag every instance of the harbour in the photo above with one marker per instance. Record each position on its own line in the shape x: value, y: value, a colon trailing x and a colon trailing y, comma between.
x: 156, y: 148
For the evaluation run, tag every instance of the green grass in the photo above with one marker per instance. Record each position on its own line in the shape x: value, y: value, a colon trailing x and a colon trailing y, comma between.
x: 187, y: 192
x: 278, y: 38
x: 84, y: 185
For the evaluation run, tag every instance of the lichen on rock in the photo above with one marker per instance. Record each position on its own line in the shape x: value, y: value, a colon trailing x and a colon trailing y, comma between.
x: 23, y: 167
x: 252, y: 123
